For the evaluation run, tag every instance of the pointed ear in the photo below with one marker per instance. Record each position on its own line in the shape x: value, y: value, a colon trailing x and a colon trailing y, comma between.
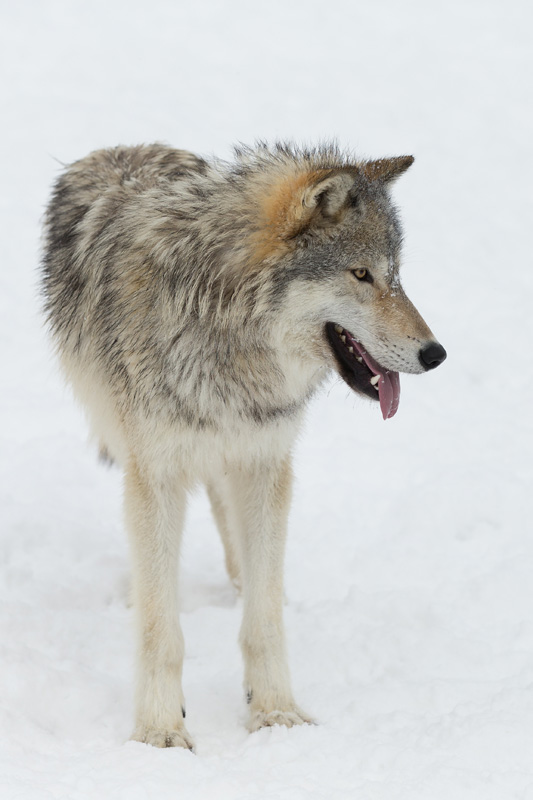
x: 386, y: 170
x: 295, y: 203
x: 328, y: 196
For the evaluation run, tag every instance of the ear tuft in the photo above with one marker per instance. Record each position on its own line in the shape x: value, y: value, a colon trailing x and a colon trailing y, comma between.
x: 386, y: 170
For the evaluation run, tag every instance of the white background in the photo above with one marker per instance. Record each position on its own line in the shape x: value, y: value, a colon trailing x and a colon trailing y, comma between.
x: 410, y: 558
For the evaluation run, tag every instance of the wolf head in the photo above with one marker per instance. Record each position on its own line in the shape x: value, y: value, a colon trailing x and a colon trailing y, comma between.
x: 329, y: 234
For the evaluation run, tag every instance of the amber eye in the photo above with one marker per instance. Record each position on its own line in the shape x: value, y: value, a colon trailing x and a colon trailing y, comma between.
x: 361, y: 274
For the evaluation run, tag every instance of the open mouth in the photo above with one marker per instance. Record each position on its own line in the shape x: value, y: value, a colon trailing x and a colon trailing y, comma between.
x: 361, y: 372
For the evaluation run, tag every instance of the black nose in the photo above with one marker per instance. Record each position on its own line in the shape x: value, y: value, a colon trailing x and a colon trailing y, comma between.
x: 432, y: 355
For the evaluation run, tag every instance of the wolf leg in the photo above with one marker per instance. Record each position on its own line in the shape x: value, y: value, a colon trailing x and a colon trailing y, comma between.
x: 227, y: 534
x: 154, y: 515
x: 261, y: 496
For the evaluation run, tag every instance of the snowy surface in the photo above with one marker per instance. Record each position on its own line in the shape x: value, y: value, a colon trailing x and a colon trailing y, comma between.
x: 410, y: 560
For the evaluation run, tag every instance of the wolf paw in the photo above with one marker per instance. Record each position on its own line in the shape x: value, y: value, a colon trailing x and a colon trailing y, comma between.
x: 158, y: 738
x: 289, y: 718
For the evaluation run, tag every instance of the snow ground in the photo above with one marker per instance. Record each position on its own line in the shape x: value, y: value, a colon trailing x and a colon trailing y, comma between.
x: 410, y: 560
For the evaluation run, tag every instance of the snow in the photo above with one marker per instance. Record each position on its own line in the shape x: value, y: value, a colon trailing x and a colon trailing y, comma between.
x: 409, y: 565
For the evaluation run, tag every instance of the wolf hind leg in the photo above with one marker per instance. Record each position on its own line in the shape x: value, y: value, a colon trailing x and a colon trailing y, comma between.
x: 260, y: 499
x: 155, y: 509
x: 220, y: 507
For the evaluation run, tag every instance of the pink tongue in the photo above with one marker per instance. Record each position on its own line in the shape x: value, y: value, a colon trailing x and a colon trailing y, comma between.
x: 389, y: 393
x: 388, y: 385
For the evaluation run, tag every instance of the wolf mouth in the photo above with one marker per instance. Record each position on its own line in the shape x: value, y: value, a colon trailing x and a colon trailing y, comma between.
x: 361, y: 372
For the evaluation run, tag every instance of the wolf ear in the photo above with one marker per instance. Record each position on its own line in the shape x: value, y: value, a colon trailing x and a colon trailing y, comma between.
x: 386, y: 170
x: 298, y: 202
x: 328, y: 196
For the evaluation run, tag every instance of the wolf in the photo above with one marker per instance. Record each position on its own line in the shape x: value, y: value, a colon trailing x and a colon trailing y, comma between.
x: 196, y: 306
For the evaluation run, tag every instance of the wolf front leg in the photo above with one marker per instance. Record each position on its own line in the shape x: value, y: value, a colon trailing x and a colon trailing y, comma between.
x: 227, y: 532
x: 155, y: 510
x: 261, y: 496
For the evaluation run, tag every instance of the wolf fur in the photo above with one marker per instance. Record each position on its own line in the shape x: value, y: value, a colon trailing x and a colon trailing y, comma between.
x: 188, y: 302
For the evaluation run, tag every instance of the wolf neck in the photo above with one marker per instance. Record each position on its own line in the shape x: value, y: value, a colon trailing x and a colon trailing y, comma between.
x: 227, y: 379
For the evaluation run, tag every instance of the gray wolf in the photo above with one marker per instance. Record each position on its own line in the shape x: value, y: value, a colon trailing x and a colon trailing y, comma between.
x: 196, y: 307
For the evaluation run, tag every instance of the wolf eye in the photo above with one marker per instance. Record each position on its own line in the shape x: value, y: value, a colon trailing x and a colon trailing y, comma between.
x: 362, y: 274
